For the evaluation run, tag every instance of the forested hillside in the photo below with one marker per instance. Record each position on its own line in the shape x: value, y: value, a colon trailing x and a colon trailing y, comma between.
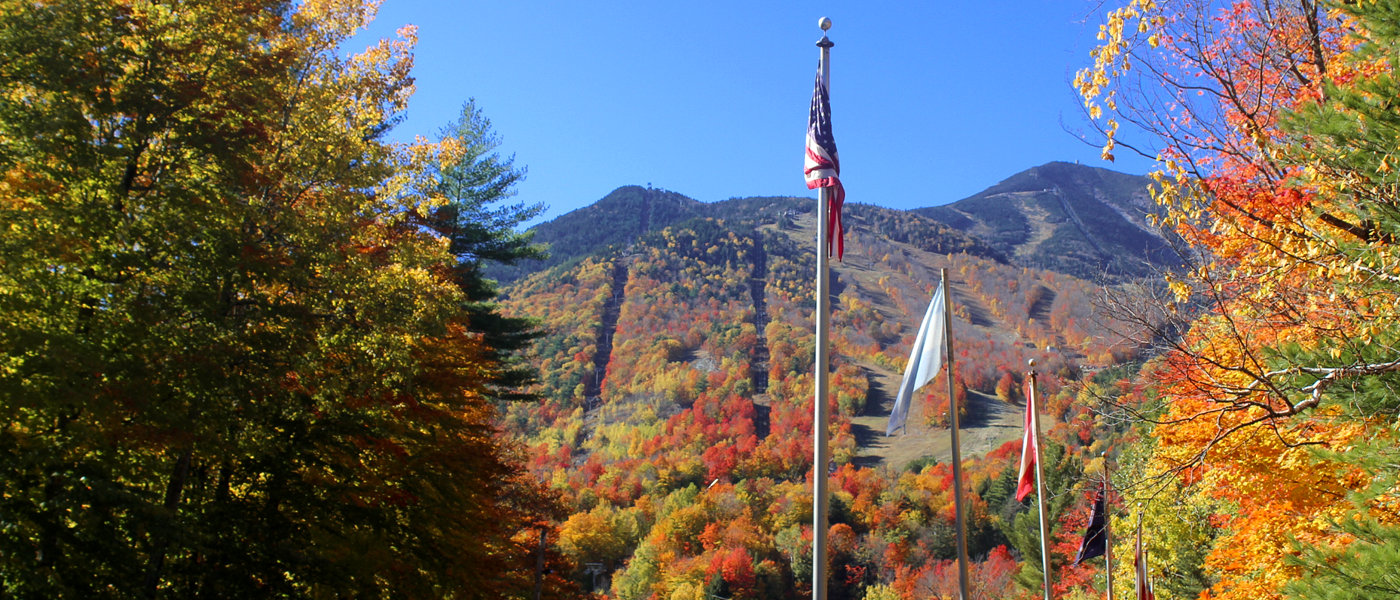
x: 253, y: 348
x: 677, y: 389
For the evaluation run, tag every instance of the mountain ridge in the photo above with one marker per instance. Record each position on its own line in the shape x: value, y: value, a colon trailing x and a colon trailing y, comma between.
x: 1069, y: 218
x: 1089, y: 222
x: 681, y: 288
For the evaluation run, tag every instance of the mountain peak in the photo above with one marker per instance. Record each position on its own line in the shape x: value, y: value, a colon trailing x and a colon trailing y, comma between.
x: 1067, y: 217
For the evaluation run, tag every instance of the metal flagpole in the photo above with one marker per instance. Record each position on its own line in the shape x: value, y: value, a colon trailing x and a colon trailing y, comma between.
x: 1139, y: 561
x: 1039, y: 482
x: 821, y: 455
x: 957, y: 446
x: 1107, y: 526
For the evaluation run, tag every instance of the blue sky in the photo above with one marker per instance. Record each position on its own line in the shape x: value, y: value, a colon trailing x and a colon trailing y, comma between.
x: 932, y: 101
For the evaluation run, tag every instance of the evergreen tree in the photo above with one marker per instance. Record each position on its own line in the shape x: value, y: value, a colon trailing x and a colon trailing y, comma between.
x: 1349, y: 145
x: 1021, y: 521
x: 477, y: 181
x: 1368, y: 566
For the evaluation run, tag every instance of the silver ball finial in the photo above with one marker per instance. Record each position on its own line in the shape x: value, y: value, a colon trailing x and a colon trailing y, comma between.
x: 824, y: 23
x: 1031, y: 362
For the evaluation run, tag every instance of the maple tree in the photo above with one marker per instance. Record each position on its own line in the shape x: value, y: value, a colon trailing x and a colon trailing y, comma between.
x: 1277, y: 146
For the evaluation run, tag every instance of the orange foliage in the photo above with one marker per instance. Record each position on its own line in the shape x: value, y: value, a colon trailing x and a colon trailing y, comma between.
x: 1284, y: 302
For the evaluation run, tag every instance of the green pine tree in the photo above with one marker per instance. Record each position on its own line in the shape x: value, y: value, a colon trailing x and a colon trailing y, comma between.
x: 1020, y: 522
x: 482, y: 228
x: 1352, y: 138
x: 1368, y: 567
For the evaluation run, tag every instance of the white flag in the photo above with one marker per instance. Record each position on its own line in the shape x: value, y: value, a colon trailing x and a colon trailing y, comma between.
x: 925, y: 359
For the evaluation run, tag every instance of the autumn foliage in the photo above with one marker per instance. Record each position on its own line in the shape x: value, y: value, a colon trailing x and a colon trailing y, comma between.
x: 1276, y: 155
x: 236, y: 358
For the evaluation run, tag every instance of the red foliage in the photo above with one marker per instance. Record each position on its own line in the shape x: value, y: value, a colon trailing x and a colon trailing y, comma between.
x: 1006, y: 387
x: 1066, y: 545
x: 737, y: 570
x: 720, y: 461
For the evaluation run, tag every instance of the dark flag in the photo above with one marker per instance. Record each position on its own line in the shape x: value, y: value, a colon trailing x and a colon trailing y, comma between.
x: 822, y: 167
x: 1095, y: 535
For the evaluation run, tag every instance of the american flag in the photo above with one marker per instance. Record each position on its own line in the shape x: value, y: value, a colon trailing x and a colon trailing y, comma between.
x: 823, y: 167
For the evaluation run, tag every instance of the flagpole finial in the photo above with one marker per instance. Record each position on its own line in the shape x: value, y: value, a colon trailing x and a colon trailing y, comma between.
x: 825, y: 42
x: 1031, y: 362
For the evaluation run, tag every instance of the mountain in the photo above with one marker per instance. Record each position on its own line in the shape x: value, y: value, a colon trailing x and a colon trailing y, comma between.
x: 1069, y: 218
x: 649, y: 295
x: 630, y: 212
x: 1073, y: 219
x: 676, y: 376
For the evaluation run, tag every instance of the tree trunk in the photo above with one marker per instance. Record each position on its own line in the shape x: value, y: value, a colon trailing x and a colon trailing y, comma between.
x: 172, y: 499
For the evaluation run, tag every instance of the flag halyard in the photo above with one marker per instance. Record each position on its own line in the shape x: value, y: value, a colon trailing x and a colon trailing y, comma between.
x: 822, y: 166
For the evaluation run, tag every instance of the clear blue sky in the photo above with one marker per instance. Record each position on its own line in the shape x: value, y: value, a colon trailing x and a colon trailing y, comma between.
x: 932, y: 101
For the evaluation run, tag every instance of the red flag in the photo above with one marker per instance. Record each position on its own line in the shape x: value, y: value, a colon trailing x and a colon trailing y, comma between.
x: 822, y: 167
x: 1143, y: 585
x: 1030, y: 447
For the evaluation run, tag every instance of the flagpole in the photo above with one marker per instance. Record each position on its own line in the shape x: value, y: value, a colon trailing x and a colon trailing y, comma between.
x: 1139, y: 560
x: 957, y: 445
x: 1039, y: 482
x: 821, y: 454
x: 1107, y: 525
